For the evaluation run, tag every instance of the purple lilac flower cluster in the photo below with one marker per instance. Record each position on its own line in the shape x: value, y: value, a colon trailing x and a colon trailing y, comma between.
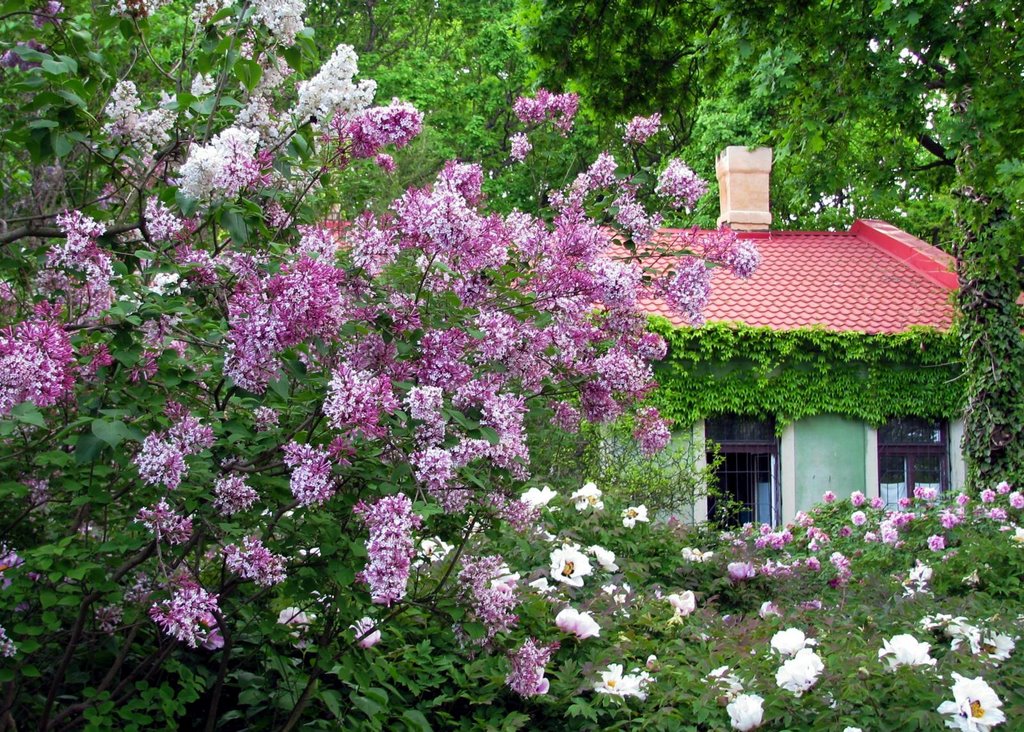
x: 651, y: 431
x: 311, y: 481
x: 491, y: 593
x: 528, y: 664
x: 390, y: 546
x: 255, y: 562
x: 166, y: 523
x: 640, y: 129
x: 162, y: 457
x: 680, y: 185
x: 232, y: 494
x: 188, y: 614
x: 36, y: 363
x: 356, y: 400
x: 559, y: 109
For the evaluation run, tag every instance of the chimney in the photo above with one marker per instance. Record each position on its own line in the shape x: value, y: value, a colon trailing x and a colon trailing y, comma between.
x: 743, y: 187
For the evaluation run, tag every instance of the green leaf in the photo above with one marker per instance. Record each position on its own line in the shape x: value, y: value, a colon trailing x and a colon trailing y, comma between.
x: 415, y: 719
x: 367, y: 706
x: 236, y: 225
x: 112, y: 432
x: 28, y: 413
x: 87, y: 448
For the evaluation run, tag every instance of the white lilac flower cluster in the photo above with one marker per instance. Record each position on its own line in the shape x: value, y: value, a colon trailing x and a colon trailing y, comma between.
x: 332, y: 91
x: 129, y: 125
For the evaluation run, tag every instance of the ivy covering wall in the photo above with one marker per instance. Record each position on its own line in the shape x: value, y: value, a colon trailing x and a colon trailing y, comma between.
x: 760, y: 372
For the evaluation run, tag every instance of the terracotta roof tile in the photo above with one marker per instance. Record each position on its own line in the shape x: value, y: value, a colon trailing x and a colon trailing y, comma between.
x: 873, y: 278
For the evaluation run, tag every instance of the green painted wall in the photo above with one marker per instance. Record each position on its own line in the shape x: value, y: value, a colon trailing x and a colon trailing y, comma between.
x: 830, y: 455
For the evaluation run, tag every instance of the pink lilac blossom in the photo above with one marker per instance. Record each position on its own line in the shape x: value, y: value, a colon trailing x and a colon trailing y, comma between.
x: 687, y: 289
x: 356, y: 400
x: 47, y: 13
x: 680, y: 185
x: 528, y: 664
x: 566, y: 417
x: 162, y: 457
x: 9, y: 559
x: 317, y: 242
x: 232, y: 495
x: 108, y: 618
x: 520, y: 147
x: 166, y: 523
x: 7, y: 647
x: 390, y: 547
x: 559, y: 109
x: 36, y: 363
x: 364, y: 133
x: 373, y: 243
x: 310, y: 481
x: 161, y: 224
x: 632, y: 216
x: 385, y: 162
x: 490, y: 592
x: 265, y: 418
x: 184, y: 615
x: 255, y: 562
x: 651, y: 431
x: 640, y: 129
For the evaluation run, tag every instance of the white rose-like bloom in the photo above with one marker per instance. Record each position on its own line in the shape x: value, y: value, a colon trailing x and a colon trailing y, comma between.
x: 538, y: 497
x: 800, y: 673
x: 569, y: 565
x: 582, y: 625
x: 791, y: 641
x: 504, y: 576
x: 998, y: 646
x: 746, y: 712
x: 541, y: 585
x: 975, y: 706
x: 696, y: 555
x: 728, y: 683
x: 769, y: 608
x: 605, y: 558
x: 905, y: 650
x: 332, y: 91
x: 852, y: 729
x: 633, y: 514
x: 589, y: 496
x: 363, y: 626
x: 614, y: 682
x: 432, y: 550
x: 684, y: 603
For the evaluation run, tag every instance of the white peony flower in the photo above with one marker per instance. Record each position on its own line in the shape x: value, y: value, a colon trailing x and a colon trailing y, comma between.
x: 696, y: 555
x: 905, y: 650
x: 538, y: 497
x: 998, y: 646
x: 614, y: 682
x: 432, y: 550
x: 541, y: 585
x: 633, y: 514
x: 605, y: 558
x: 975, y: 706
x: 368, y: 627
x: 569, y: 565
x: 800, y: 673
x: 746, y: 712
x: 582, y: 625
x: 769, y: 608
x: 684, y: 603
x: 791, y: 641
x: 728, y: 683
x: 589, y: 496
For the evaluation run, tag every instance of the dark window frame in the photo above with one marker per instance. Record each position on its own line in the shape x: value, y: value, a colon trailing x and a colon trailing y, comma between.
x: 912, y: 451
x: 767, y: 446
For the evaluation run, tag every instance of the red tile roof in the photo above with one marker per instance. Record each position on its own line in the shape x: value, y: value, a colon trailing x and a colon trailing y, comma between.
x: 874, y: 278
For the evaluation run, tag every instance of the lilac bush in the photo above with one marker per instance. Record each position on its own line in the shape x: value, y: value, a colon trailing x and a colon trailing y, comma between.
x: 228, y: 422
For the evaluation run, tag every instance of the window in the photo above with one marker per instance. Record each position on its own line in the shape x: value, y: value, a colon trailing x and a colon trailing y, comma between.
x: 747, y: 475
x: 911, y: 454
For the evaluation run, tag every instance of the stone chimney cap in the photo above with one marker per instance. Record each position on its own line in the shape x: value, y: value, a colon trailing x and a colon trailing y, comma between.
x: 743, y: 182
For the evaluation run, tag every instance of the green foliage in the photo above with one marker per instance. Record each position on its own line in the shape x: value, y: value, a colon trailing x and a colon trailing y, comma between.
x: 723, y: 368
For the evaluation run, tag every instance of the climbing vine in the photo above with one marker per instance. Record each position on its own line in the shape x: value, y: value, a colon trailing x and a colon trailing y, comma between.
x: 761, y: 372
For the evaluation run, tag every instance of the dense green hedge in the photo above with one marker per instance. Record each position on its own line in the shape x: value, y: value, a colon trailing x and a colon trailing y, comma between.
x: 726, y: 368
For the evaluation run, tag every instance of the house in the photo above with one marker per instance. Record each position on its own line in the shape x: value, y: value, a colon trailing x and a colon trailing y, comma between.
x: 833, y: 368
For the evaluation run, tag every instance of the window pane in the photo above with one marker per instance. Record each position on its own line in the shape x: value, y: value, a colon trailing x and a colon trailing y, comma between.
x: 734, y: 428
x: 910, y: 431
x: 928, y: 471
x: 892, y: 479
